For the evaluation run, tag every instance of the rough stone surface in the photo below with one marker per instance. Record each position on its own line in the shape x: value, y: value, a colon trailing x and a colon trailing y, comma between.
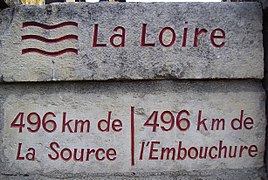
x: 12, y: 3
x: 241, y: 56
x: 264, y: 4
x: 265, y: 80
x: 127, y: 100
x: 235, y: 174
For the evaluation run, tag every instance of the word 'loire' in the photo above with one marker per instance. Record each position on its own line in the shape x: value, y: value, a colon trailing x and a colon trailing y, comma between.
x: 167, y: 37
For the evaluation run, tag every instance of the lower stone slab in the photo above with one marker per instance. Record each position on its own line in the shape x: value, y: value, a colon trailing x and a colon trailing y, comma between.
x: 66, y: 129
x: 235, y: 174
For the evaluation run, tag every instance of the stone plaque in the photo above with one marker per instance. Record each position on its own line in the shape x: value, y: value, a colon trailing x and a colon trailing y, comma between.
x: 105, y: 41
x: 136, y: 127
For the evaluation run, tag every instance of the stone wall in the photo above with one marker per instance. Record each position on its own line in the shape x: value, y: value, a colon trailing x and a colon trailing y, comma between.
x: 132, y: 90
x: 265, y: 44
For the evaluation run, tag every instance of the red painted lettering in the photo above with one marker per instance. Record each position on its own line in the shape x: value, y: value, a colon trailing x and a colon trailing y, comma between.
x: 76, y: 153
x: 19, y: 157
x: 248, y: 123
x: 117, y: 125
x: 217, y: 122
x: 54, y: 150
x: 156, y: 152
x: 66, y: 124
x: 66, y: 154
x: 104, y: 125
x: 82, y: 124
x: 111, y: 154
x: 217, y: 38
x: 221, y: 149
x: 252, y: 151
x: 89, y: 152
x: 152, y: 150
x: 74, y: 126
x: 201, y: 122
x: 173, y: 35
x: 239, y: 123
x: 181, y: 150
x: 95, y: 38
x: 210, y: 152
x: 143, y: 37
x: 82, y: 154
x: 197, y: 33
x: 142, y: 149
x: 242, y: 148
x: 185, y: 30
x: 169, y: 152
x: 192, y: 153
x: 230, y: 151
x: 30, y: 155
x: 203, y: 152
x: 183, y: 124
x: 98, y: 157
x: 34, y: 120
x: 120, y: 37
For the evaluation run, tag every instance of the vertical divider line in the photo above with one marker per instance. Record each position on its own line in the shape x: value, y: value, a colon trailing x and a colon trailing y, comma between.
x: 132, y: 136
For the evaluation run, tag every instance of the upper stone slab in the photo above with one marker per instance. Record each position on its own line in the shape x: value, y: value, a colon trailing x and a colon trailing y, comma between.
x: 102, y: 41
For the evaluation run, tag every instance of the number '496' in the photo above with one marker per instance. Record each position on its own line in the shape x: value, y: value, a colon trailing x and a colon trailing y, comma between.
x: 34, y: 122
x: 168, y: 121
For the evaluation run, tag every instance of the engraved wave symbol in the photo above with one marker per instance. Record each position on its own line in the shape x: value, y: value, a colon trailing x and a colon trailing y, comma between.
x: 46, y: 40
x: 45, y: 26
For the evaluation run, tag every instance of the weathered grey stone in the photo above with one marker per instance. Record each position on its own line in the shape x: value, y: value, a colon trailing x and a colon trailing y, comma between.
x: 125, y: 100
x: 265, y: 80
x: 12, y: 3
x: 241, y: 55
x: 264, y: 4
x: 235, y: 174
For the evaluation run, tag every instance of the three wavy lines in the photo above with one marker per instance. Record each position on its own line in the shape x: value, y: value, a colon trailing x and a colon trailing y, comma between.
x: 55, y: 40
